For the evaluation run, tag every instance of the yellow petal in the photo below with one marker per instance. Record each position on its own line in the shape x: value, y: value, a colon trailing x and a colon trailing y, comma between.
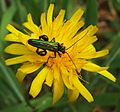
x: 73, y: 95
x: 76, y: 16
x: 58, y: 86
x: 75, y: 29
x: 87, y: 52
x: 83, y: 91
x: 92, y: 30
x: 24, y: 38
x: 49, y: 78
x: 66, y: 81
x: 82, y: 40
x: 20, y: 76
x: 81, y: 35
x: 29, y: 67
x: 57, y: 23
x: 25, y: 69
x: 58, y: 90
x: 65, y: 77
x: 36, y: 85
x: 89, y: 66
x: 50, y: 14
x: 16, y: 60
x: 31, y: 26
x: 13, y: 30
x: 61, y: 37
x: 85, y: 42
x: 17, y: 49
x: 29, y: 18
x: 44, y: 24
x: 90, y: 53
x: 12, y: 37
x: 70, y: 27
x: 101, y: 53
x: 36, y: 58
x: 89, y: 49
x: 108, y: 75
x: 21, y: 36
x: 71, y: 32
x: 34, y: 28
x: 56, y: 73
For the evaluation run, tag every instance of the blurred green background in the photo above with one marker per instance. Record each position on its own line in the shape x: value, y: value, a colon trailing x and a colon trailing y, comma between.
x: 103, y: 13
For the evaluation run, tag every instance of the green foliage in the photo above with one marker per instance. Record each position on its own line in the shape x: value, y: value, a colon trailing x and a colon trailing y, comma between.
x: 107, y: 94
x: 6, y: 19
x: 91, y: 15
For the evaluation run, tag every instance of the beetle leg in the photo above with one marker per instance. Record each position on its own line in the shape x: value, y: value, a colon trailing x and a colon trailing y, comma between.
x: 53, y: 40
x: 59, y: 54
x: 51, y: 57
x: 54, y: 55
x: 44, y: 37
x: 41, y: 53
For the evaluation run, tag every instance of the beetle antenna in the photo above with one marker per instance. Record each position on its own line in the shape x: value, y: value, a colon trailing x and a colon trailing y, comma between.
x: 80, y: 77
x: 77, y: 41
x: 72, y: 61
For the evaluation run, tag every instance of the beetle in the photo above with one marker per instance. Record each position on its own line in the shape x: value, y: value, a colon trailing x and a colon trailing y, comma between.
x: 44, y: 44
x: 56, y: 47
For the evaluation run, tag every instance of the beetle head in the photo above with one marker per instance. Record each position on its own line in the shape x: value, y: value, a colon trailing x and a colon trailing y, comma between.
x: 61, y: 48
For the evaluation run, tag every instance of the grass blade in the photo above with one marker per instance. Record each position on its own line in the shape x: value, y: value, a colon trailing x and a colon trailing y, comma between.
x: 91, y: 15
x: 6, y: 19
x: 11, y: 80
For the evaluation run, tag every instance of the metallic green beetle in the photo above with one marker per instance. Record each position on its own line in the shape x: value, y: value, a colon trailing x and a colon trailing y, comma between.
x: 44, y: 44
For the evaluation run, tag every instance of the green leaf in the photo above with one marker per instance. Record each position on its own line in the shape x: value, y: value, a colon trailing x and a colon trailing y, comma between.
x: 3, y: 5
x: 21, y: 10
x: 114, y: 51
x: 11, y: 82
x: 102, y: 100
x: 116, y: 4
x: 18, y: 108
x: 6, y: 19
x: 37, y: 105
x: 109, y: 99
x: 70, y: 7
x: 118, y: 105
x: 91, y: 14
x: 42, y: 103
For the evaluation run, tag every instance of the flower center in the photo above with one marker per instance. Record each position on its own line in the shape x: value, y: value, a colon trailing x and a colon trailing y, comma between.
x: 64, y: 59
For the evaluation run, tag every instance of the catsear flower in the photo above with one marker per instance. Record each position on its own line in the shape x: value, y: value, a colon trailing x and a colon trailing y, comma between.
x: 63, y: 70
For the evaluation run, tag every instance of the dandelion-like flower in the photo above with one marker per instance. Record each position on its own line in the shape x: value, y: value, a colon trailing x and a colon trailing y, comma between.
x: 64, y: 69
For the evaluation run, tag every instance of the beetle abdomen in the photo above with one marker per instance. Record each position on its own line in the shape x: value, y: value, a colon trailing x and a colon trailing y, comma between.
x: 50, y: 46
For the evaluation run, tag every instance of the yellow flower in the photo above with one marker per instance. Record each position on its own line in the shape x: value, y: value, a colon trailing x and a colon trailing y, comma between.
x: 61, y: 71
